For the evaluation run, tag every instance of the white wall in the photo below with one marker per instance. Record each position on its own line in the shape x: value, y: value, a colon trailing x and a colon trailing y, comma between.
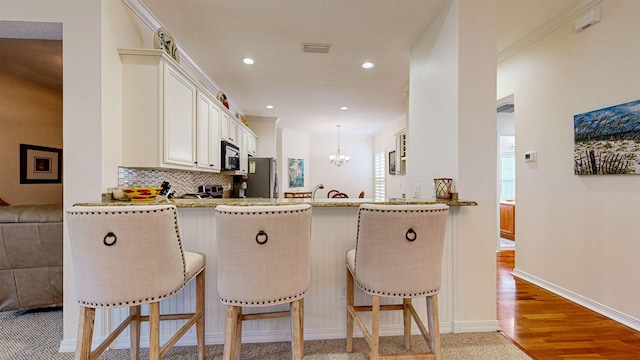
x: 31, y: 114
x: 385, y: 141
x: 452, y: 133
x: 294, y: 145
x: 120, y: 30
x: 579, y: 234
x: 266, y: 130
x: 351, y: 178
x: 82, y: 107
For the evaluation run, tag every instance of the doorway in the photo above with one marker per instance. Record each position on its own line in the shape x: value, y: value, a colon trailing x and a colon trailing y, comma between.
x: 506, y: 173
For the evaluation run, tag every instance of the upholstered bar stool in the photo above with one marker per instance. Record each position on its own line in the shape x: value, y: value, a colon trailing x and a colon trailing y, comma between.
x: 398, y: 254
x: 129, y: 256
x: 263, y: 260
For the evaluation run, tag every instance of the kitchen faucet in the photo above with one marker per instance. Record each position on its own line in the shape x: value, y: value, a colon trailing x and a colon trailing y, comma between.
x: 313, y: 193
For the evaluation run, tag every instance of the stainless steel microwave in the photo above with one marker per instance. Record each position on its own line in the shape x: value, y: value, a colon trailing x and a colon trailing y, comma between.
x: 230, y: 156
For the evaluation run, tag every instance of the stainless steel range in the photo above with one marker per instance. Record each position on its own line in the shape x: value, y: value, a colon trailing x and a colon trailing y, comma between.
x: 210, y: 191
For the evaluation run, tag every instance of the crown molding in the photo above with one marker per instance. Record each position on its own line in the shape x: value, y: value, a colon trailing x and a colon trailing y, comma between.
x: 186, y: 61
x: 542, y: 31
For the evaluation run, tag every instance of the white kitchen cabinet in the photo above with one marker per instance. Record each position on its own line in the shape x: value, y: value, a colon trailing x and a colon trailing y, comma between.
x: 158, y: 111
x: 208, y: 133
x: 252, y: 144
x: 244, y: 154
x: 229, y: 129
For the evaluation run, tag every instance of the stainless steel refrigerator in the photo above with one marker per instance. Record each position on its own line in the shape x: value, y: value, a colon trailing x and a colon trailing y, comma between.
x: 262, y: 179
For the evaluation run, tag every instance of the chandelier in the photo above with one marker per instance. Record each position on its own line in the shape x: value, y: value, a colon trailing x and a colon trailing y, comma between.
x: 338, y: 159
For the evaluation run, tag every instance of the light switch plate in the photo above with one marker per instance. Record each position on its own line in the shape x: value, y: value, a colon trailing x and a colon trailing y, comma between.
x: 530, y: 156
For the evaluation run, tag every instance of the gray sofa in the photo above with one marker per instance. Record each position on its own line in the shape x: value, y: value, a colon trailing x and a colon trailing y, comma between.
x: 30, y: 256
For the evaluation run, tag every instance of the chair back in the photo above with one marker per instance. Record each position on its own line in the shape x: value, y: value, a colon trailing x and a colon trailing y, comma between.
x: 125, y: 255
x: 263, y: 253
x: 399, y: 249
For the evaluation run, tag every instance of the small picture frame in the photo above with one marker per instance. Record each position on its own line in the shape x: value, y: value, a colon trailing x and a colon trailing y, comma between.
x: 40, y: 165
x: 392, y: 163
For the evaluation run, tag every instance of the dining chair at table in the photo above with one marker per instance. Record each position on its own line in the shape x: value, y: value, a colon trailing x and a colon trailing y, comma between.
x: 336, y: 194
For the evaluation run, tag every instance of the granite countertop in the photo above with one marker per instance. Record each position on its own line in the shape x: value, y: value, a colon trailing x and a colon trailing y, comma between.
x: 348, y: 202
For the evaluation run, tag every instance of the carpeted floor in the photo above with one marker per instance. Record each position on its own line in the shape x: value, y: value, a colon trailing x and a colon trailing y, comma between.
x: 36, y: 335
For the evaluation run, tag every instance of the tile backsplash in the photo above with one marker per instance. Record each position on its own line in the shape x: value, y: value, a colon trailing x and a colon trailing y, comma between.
x: 182, y: 182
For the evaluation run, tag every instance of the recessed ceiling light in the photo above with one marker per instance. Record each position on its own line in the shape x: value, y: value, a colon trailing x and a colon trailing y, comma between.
x: 269, y: 106
x: 368, y: 65
x: 248, y: 61
x: 344, y: 108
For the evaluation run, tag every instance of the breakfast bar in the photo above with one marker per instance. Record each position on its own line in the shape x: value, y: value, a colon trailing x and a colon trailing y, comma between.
x: 333, y: 232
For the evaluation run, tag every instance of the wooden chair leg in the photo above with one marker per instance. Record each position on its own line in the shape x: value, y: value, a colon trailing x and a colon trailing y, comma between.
x: 134, y: 332
x: 406, y: 316
x: 350, y: 303
x: 375, y: 328
x: 296, y: 326
x: 85, y: 333
x: 238, y: 336
x: 154, y: 330
x: 434, y: 325
x: 232, y: 333
x: 200, y: 303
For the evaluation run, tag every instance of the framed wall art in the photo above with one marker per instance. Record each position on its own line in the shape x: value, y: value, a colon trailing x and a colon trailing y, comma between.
x: 606, y: 140
x: 40, y: 165
x: 296, y: 172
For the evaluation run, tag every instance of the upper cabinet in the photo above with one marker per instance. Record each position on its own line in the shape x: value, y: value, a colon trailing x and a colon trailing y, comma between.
x: 208, y: 133
x: 168, y: 119
x: 230, y: 129
x: 252, y: 144
x: 179, y: 116
x: 158, y: 112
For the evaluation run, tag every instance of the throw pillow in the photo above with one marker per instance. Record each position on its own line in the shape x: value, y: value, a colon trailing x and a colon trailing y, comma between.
x: 3, y: 203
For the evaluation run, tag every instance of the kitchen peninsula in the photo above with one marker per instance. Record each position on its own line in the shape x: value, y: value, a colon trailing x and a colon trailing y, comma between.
x: 333, y: 232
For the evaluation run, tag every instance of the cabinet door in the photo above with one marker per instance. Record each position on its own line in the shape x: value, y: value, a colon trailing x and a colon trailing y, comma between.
x: 507, y: 221
x: 244, y: 155
x: 251, y: 144
x: 208, y: 134
x: 234, y: 134
x: 179, y: 110
x: 229, y: 129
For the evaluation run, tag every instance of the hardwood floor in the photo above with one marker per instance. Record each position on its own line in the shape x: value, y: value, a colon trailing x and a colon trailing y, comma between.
x: 547, y: 326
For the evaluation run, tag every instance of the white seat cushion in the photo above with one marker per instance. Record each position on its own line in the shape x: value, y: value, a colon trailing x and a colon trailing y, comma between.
x: 351, y: 260
x: 194, y: 263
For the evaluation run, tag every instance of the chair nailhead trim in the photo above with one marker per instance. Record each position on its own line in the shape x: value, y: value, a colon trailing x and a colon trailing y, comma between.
x: 184, y: 265
x: 259, y: 212
x: 355, y: 262
x: 140, y: 301
x: 404, y: 295
x: 264, y: 302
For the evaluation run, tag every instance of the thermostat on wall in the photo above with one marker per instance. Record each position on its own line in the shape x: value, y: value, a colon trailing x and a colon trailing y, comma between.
x: 530, y: 156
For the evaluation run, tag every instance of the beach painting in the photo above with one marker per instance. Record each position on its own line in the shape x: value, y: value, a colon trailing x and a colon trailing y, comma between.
x: 607, y: 141
x: 296, y: 173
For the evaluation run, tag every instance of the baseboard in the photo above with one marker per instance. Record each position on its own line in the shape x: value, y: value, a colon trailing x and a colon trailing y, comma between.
x: 601, y: 309
x: 475, y: 326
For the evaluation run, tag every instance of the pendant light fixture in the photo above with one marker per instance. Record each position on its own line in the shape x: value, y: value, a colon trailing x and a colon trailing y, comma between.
x: 338, y: 159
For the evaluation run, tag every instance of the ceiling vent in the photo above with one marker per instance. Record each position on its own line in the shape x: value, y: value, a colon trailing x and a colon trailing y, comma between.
x: 506, y: 109
x: 316, y: 48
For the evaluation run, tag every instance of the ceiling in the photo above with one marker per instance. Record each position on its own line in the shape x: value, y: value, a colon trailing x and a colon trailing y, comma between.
x: 306, y: 89
x: 32, y: 51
